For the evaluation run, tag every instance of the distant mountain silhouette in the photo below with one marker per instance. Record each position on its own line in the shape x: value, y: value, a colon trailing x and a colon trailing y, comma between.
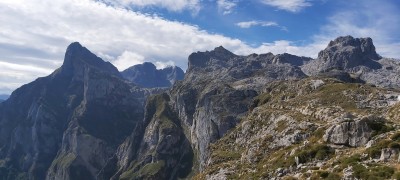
x: 147, y: 75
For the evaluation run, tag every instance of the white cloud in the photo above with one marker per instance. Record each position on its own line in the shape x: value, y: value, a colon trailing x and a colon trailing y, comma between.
x: 248, y: 24
x: 164, y: 64
x: 226, y: 6
x: 171, y: 5
x: 38, y: 32
x: 127, y: 59
x: 288, y: 5
x: 13, y: 76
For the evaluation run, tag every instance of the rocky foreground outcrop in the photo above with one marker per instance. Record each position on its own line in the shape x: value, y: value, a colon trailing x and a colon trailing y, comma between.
x: 298, y: 130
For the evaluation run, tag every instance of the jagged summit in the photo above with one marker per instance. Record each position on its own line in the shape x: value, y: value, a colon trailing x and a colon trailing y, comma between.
x: 364, y: 44
x: 347, y: 52
x: 77, y: 57
x: 351, y: 41
x: 221, y: 50
x: 201, y: 59
x: 147, y: 75
x: 74, y: 46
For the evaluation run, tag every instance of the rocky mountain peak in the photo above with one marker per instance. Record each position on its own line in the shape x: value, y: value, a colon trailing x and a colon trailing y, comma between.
x: 221, y: 53
x: 201, y: 59
x: 222, y: 50
x: 147, y: 75
x: 148, y: 65
x: 75, y: 46
x: 355, y: 42
x: 77, y: 57
x: 347, y: 52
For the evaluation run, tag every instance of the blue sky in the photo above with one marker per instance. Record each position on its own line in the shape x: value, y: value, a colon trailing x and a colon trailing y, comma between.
x: 35, y: 33
x: 291, y: 23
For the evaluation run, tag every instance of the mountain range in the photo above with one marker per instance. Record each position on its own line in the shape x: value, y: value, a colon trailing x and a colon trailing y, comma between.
x: 259, y: 116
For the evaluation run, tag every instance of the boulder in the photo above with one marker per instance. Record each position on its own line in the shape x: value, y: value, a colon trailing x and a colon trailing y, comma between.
x: 349, y: 133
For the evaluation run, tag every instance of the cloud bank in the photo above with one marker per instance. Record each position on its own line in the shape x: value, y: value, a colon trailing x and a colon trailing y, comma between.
x: 171, y: 5
x: 35, y: 33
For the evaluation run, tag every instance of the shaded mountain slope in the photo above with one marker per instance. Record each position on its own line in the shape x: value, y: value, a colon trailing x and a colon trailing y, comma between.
x: 50, y: 127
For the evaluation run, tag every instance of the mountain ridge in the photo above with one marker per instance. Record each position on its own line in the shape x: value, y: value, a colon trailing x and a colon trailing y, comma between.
x: 86, y: 121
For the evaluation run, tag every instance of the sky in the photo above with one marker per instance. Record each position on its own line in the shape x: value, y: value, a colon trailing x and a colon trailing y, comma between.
x: 34, y: 34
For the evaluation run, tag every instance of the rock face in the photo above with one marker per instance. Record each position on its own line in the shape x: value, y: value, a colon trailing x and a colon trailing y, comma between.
x: 388, y: 154
x: 147, y: 75
x: 158, y: 149
x: 351, y: 133
x: 217, y: 91
x: 348, y: 52
x: 387, y: 76
x: 68, y: 124
x: 358, y: 57
x: 345, y: 53
x: 219, y: 88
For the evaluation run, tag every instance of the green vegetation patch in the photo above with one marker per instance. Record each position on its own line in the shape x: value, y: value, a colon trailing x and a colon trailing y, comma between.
x: 262, y: 99
x: 369, y: 171
x: 375, y: 150
x: 332, y: 94
x: 65, y: 160
x: 219, y: 156
x: 378, y: 172
x: 152, y: 168
x: 147, y: 171
x: 325, y: 175
x: 317, y: 151
x: 281, y: 126
x: 395, y: 136
x: 379, y: 126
